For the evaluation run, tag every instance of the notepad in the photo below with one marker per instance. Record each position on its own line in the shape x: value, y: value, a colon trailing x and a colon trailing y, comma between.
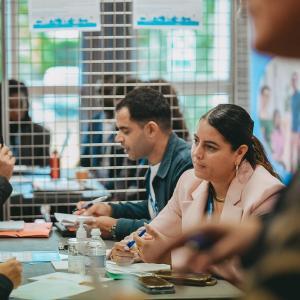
x: 136, y: 268
x: 11, y: 225
x: 69, y: 219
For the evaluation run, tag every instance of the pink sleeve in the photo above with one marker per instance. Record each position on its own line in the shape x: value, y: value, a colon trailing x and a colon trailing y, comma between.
x: 167, y: 223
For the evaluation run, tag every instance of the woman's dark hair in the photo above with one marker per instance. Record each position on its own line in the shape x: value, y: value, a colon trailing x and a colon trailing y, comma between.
x: 236, y: 126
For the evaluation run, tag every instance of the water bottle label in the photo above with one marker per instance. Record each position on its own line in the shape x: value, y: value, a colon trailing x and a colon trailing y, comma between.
x: 76, y: 264
x: 98, y: 261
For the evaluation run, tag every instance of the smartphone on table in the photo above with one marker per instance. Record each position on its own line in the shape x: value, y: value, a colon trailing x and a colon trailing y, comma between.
x: 152, y: 284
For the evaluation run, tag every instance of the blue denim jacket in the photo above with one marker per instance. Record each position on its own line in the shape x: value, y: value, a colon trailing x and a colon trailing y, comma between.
x: 176, y: 160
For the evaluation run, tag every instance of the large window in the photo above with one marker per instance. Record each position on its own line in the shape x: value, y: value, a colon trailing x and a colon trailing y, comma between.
x: 75, y: 79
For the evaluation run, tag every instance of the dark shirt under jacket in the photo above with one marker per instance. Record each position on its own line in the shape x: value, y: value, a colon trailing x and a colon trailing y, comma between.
x: 6, y: 285
x: 176, y: 160
x: 30, y: 144
x: 5, y: 190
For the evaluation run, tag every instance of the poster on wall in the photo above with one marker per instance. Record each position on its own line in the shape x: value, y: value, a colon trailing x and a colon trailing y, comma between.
x: 83, y: 15
x: 275, y: 107
x: 167, y: 14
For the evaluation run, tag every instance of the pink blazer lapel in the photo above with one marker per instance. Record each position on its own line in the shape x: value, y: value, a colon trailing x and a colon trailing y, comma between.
x: 232, y: 211
x: 193, y: 209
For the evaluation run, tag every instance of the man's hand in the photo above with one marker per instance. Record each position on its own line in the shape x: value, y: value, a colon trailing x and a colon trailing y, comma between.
x: 7, y: 162
x: 96, y: 210
x: 104, y: 223
x: 12, y: 269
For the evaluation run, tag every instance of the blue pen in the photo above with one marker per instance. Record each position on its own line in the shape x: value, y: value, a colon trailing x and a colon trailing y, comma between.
x: 132, y: 242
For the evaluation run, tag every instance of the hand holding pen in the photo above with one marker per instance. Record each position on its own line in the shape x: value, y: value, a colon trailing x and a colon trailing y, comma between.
x: 143, y: 245
x: 92, y: 207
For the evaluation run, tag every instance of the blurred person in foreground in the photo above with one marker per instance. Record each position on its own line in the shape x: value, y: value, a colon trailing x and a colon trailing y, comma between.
x: 270, y: 249
x: 11, y: 270
x: 232, y: 179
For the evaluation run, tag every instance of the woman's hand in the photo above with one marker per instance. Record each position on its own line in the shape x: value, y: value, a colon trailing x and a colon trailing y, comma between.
x: 151, y: 245
x: 122, y: 255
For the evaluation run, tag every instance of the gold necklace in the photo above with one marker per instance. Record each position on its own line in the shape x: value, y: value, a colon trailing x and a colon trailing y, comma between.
x: 218, y: 199
x: 221, y: 200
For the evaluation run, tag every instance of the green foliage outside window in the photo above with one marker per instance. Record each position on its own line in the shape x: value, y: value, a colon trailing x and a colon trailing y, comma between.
x: 155, y: 44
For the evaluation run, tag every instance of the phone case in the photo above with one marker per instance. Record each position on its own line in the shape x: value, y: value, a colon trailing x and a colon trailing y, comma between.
x: 152, y: 284
x: 196, y: 279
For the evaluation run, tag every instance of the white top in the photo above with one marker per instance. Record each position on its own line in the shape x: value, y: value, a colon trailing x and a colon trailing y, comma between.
x: 152, y: 204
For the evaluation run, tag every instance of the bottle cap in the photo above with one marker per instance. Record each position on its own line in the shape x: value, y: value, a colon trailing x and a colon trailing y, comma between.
x: 96, y: 232
x: 81, y: 232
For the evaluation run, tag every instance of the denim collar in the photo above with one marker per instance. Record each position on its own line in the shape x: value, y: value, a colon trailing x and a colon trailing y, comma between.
x: 166, y: 161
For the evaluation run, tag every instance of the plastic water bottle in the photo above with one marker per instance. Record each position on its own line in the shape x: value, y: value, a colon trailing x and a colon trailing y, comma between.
x: 77, y: 250
x: 96, y: 255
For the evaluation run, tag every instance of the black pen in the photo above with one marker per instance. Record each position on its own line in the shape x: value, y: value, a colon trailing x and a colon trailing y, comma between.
x: 1, y: 141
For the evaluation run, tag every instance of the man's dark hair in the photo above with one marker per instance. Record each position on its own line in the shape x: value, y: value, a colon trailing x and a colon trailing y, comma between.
x: 146, y: 104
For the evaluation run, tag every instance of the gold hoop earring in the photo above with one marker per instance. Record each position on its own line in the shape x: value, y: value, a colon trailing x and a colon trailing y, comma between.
x: 236, y: 170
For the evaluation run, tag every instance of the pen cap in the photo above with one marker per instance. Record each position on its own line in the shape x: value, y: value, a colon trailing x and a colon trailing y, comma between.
x: 81, y: 232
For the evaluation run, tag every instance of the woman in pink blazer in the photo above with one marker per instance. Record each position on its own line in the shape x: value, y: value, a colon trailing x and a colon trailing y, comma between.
x: 232, y: 179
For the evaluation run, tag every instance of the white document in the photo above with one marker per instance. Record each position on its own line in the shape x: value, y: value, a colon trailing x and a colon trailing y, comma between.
x: 60, y: 265
x: 75, y: 278
x: 69, y: 219
x: 167, y: 14
x: 83, y: 15
x: 112, y: 267
x: 49, y: 289
x: 11, y: 225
